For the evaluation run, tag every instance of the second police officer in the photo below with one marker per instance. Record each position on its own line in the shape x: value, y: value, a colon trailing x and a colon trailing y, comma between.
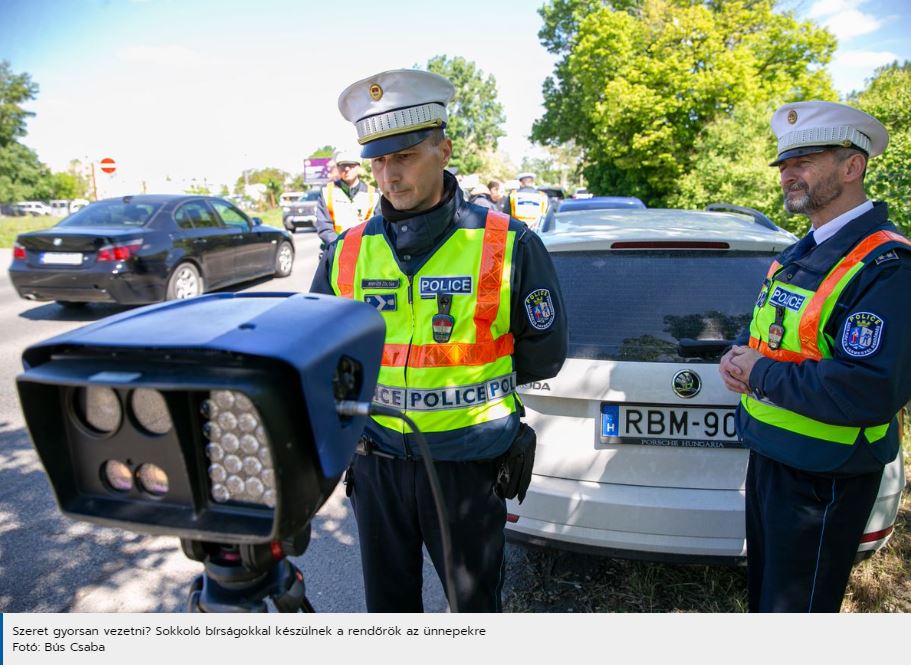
x: 472, y: 308
x: 827, y: 368
x: 345, y: 201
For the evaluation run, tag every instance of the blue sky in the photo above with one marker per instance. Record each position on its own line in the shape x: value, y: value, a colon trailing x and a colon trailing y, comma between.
x: 206, y: 88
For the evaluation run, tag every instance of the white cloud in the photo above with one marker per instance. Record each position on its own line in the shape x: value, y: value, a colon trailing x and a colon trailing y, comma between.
x: 849, y: 69
x: 170, y: 55
x: 851, y: 23
x: 864, y: 59
x: 822, y: 8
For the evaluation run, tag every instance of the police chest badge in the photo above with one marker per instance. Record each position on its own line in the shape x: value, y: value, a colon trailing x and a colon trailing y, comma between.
x: 862, y: 334
x: 442, y: 322
x: 540, y: 309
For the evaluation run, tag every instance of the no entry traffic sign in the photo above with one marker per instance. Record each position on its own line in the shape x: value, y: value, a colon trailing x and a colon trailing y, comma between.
x: 108, y: 166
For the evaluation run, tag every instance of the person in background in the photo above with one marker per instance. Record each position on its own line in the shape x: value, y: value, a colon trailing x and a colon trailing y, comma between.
x: 494, y: 187
x: 346, y: 201
x: 472, y: 308
x: 527, y: 203
x: 824, y: 367
x: 480, y: 195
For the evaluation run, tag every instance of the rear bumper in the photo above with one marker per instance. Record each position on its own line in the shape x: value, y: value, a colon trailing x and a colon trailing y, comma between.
x: 109, y: 284
x: 660, y: 523
x: 300, y: 220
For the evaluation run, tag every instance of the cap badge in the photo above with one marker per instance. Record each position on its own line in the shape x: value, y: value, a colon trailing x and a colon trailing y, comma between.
x: 376, y: 92
x: 792, y: 117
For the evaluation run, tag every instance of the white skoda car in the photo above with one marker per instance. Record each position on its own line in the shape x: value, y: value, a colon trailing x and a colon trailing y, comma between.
x: 637, y: 453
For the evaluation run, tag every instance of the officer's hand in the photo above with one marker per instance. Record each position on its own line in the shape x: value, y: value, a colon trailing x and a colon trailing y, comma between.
x: 731, y: 374
x: 742, y: 361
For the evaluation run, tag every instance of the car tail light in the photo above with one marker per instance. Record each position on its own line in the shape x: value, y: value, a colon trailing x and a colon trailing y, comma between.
x: 875, y: 535
x: 118, y: 252
x: 18, y: 251
x: 510, y: 517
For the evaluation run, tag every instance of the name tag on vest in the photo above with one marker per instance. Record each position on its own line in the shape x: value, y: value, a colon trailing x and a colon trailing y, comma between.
x: 379, y: 284
x: 430, y: 286
x: 789, y: 300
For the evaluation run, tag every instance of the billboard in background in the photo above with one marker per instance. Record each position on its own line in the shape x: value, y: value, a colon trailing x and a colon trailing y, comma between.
x: 316, y: 171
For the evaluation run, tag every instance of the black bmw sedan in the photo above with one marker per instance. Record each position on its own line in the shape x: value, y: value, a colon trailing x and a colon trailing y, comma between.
x: 141, y: 249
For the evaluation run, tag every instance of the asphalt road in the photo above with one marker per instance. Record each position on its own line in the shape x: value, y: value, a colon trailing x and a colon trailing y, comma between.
x: 51, y: 564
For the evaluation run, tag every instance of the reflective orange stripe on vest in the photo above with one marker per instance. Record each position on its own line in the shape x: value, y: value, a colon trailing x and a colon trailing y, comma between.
x: 330, y: 206
x: 447, y: 354
x: 809, y: 322
x: 347, y: 260
x: 491, y: 274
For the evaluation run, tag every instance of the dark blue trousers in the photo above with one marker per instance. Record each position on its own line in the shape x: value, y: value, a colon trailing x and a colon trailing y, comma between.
x: 396, y: 516
x: 803, y: 530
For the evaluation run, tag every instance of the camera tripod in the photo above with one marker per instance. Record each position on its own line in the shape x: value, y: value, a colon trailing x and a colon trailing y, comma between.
x: 245, y: 578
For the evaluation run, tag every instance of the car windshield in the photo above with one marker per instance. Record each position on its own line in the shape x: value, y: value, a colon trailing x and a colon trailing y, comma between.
x: 310, y: 196
x: 636, y: 306
x: 115, y: 213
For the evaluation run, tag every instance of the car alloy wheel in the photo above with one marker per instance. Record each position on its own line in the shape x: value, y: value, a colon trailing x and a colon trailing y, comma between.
x: 284, y: 260
x: 185, y: 283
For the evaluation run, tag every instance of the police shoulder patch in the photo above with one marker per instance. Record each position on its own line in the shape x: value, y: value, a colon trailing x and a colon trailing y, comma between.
x: 540, y: 308
x: 862, y: 334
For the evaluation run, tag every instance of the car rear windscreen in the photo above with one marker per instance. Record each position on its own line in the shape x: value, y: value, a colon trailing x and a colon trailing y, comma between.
x: 637, y: 306
x: 112, y: 214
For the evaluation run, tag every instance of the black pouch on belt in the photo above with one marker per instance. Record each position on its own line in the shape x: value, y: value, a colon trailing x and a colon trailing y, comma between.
x: 514, y: 466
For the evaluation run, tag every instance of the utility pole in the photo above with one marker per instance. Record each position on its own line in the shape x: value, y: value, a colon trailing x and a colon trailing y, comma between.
x: 94, y: 186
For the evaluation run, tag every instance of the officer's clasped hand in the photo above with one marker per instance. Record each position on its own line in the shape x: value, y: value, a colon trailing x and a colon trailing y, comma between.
x: 515, y: 465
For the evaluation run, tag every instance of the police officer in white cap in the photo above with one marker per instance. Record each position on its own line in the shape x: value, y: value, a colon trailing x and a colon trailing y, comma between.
x: 527, y: 203
x: 346, y: 201
x: 472, y: 308
x: 824, y: 367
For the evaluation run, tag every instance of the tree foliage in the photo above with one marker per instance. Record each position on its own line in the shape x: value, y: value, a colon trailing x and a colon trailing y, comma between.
x: 888, y: 98
x: 475, y: 116
x: 326, y: 151
x: 15, y: 89
x: 639, y: 81
x: 264, y: 176
x: 22, y: 175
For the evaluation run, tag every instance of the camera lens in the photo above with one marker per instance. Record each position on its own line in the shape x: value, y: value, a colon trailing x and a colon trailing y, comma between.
x: 152, y: 479
x: 98, y: 408
x: 151, y: 411
x: 117, y: 475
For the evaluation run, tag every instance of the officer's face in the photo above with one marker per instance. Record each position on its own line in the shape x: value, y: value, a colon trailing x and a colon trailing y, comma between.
x: 810, y: 182
x: 349, y: 172
x: 412, y: 179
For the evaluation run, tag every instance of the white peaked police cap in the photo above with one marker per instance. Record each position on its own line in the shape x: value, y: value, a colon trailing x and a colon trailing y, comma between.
x: 347, y: 156
x: 396, y: 109
x: 814, y: 126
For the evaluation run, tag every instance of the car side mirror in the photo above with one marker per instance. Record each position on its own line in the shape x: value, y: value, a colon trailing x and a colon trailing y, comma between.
x: 257, y: 220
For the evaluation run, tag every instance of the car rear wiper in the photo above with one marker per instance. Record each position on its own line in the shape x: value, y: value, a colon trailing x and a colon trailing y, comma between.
x: 702, y: 347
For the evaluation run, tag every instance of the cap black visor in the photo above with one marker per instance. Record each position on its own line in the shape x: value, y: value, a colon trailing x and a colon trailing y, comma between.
x: 395, y: 143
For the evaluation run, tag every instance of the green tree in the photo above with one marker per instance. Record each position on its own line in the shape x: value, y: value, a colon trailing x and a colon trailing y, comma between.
x: 888, y: 98
x: 66, y: 185
x: 263, y: 176
x: 22, y: 175
x: 733, y: 167
x: 639, y: 81
x: 475, y: 116
x: 326, y: 151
